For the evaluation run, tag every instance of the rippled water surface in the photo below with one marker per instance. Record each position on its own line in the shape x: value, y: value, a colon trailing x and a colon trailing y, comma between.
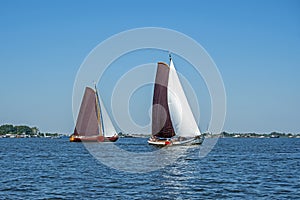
x: 248, y: 168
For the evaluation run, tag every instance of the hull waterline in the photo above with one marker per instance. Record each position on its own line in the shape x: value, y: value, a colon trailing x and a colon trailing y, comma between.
x: 198, y: 140
x: 74, y: 138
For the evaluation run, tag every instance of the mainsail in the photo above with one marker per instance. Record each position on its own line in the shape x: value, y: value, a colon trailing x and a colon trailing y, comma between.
x: 161, y: 120
x: 87, y: 120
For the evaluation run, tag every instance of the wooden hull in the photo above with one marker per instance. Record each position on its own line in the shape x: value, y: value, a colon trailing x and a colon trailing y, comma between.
x: 77, y: 138
x: 176, y: 141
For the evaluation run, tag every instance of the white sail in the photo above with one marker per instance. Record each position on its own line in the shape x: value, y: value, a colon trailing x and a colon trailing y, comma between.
x: 182, y: 118
x: 108, y: 128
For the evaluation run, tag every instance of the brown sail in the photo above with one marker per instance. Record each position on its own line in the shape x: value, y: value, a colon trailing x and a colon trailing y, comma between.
x: 87, y: 122
x: 161, y: 120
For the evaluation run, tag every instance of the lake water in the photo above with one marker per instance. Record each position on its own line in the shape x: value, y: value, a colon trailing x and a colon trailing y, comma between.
x: 236, y: 168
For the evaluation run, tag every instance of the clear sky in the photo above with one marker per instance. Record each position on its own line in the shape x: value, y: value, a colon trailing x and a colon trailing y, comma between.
x: 255, y: 44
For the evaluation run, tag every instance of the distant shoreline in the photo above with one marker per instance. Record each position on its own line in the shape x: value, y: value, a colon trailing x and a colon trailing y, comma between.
x: 23, y: 131
x: 240, y: 135
x: 228, y: 135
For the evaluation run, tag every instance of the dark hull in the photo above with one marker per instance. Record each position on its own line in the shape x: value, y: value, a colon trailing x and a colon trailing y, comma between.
x: 75, y: 138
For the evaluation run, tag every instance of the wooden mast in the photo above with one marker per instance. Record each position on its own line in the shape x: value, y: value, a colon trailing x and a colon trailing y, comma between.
x: 99, y: 113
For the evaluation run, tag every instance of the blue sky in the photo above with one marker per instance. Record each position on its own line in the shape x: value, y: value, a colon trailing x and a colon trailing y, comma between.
x: 255, y: 44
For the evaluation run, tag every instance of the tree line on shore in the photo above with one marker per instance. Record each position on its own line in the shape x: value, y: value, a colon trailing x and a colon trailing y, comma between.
x: 272, y: 134
x: 22, y: 130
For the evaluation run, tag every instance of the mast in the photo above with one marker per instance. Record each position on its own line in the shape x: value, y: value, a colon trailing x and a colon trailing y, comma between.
x: 99, y: 113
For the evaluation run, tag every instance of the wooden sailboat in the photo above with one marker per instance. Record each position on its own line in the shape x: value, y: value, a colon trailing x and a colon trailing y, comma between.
x: 173, y: 122
x: 93, y: 123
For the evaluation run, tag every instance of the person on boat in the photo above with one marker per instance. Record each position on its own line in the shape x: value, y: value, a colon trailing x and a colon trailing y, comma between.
x: 153, y: 138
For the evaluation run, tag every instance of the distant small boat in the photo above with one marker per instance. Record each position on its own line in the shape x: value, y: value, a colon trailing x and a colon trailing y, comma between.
x: 173, y: 122
x: 274, y: 136
x: 93, y: 123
